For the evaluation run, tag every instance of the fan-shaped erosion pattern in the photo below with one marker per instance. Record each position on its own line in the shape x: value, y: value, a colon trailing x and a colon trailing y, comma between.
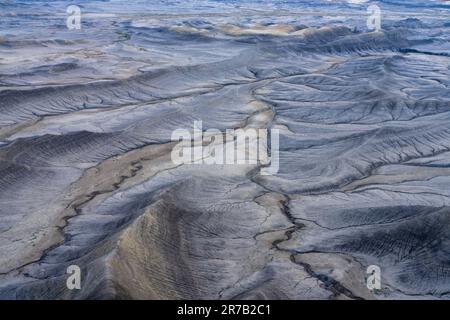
x: 86, y: 176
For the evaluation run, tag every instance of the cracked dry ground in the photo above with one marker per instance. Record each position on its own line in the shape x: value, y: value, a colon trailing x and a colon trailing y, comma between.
x: 87, y: 179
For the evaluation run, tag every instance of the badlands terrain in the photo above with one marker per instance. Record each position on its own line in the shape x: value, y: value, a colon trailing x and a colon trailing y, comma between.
x: 87, y: 179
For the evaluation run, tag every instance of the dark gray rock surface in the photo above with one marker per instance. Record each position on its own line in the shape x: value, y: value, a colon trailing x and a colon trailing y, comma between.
x: 86, y: 177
